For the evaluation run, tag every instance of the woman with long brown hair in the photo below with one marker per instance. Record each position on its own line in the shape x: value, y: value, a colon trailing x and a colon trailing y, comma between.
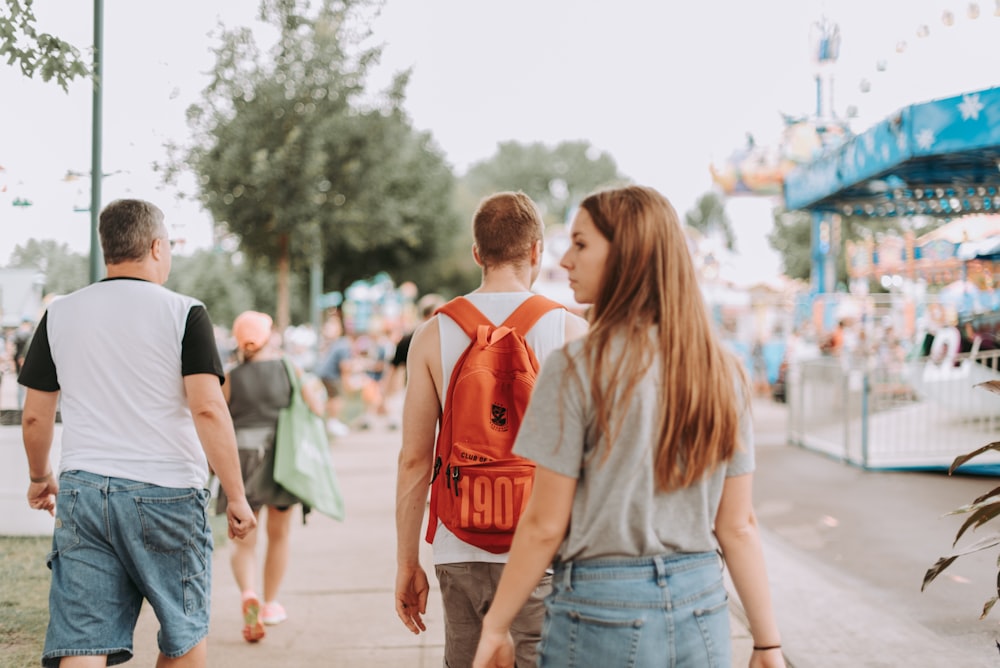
x: 643, y: 439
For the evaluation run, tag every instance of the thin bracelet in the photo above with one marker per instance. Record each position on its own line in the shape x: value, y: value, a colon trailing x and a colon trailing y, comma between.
x: 42, y: 479
x: 764, y: 648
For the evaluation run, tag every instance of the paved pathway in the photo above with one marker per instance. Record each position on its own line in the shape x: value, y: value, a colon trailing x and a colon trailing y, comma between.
x: 339, y: 589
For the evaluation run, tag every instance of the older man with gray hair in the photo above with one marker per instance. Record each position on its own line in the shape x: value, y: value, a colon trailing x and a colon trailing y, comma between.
x: 134, y: 369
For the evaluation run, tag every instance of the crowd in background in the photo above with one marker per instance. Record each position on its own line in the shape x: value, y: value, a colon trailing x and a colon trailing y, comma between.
x: 365, y: 330
x: 15, y: 346
x: 361, y: 363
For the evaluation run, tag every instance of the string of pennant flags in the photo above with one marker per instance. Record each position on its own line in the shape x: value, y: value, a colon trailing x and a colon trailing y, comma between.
x: 759, y: 170
x: 923, y: 30
x: 71, y: 176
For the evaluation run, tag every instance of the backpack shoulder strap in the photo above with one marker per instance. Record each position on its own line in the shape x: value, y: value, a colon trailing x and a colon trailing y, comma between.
x: 527, y: 314
x: 465, y: 314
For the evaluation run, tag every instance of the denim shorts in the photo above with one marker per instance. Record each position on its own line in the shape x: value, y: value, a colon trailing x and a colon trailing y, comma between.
x: 115, y: 543
x: 669, y: 610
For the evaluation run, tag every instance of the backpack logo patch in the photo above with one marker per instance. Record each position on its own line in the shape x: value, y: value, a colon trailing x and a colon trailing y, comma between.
x: 498, y: 418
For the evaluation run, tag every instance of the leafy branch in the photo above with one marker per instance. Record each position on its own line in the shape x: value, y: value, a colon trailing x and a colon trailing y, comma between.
x: 982, y: 510
x: 37, y: 53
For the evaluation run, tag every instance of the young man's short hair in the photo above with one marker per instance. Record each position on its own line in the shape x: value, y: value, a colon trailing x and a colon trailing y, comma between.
x: 505, y: 227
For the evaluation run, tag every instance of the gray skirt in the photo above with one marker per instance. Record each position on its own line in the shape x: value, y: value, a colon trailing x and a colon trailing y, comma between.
x: 256, y: 451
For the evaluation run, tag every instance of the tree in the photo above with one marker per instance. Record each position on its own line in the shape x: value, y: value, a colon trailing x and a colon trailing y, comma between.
x: 230, y: 283
x: 453, y: 271
x: 709, y: 217
x: 294, y: 163
x: 64, y: 270
x: 227, y: 283
x: 396, y: 214
x: 35, y: 52
x: 791, y: 236
x: 555, y: 178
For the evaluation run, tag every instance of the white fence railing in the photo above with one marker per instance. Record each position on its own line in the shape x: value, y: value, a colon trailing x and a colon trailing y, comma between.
x: 916, y: 415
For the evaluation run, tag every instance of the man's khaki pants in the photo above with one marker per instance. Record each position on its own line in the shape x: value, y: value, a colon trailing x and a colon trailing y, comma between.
x: 467, y: 590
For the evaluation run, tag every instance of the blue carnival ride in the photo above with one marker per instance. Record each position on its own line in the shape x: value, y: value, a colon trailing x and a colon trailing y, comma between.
x: 938, y: 159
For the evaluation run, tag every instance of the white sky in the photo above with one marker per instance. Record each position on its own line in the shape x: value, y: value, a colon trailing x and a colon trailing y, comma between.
x: 667, y: 88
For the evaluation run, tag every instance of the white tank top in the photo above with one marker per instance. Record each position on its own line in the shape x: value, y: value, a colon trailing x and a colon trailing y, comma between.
x: 547, y: 335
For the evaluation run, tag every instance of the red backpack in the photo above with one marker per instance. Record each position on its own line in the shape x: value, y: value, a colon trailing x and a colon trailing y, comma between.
x: 480, y: 487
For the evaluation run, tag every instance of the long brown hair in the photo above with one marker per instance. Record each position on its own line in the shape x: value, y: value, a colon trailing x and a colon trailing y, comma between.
x: 650, y: 284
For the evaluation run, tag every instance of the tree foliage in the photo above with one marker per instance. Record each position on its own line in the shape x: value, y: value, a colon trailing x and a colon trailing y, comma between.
x: 982, y: 510
x: 792, y: 238
x: 397, y: 191
x: 64, y: 270
x: 709, y: 217
x: 229, y: 283
x: 556, y: 178
x: 295, y: 160
x: 454, y: 271
x: 37, y: 52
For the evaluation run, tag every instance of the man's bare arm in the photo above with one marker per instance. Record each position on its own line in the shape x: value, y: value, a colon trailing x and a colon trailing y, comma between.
x: 218, y: 439
x: 37, y: 427
x: 421, y: 411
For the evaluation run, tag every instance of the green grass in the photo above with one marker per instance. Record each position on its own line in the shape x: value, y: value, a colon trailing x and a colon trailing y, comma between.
x: 24, y: 600
x: 24, y: 595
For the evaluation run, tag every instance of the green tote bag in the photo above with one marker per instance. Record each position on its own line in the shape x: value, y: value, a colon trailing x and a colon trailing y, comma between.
x: 302, y: 462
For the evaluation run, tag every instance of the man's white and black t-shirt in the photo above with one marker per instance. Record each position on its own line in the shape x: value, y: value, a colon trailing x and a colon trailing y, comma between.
x: 117, y: 351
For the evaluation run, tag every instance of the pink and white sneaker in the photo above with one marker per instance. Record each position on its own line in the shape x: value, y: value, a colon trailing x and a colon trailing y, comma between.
x: 253, y: 629
x: 273, y: 613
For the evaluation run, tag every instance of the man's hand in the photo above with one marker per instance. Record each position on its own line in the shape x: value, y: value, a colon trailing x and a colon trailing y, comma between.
x: 42, y: 495
x: 411, y: 597
x: 241, y: 518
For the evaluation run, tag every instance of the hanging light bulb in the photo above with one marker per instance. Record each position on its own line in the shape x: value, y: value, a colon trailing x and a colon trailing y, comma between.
x: 901, y: 45
x: 972, y: 11
x: 948, y: 18
x: 923, y: 31
x: 996, y: 12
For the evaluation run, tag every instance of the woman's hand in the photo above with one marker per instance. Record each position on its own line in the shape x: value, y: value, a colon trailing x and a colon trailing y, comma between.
x: 496, y: 650
x: 767, y: 659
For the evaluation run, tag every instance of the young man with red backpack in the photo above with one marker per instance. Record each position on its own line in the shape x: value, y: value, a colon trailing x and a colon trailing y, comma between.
x: 491, y: 342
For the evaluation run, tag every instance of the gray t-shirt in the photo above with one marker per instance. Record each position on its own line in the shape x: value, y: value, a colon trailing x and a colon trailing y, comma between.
x: 617, y: 510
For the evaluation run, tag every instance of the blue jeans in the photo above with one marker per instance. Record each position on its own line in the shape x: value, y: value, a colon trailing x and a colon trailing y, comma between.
x: 116, y: 542
x: 669, y: 610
